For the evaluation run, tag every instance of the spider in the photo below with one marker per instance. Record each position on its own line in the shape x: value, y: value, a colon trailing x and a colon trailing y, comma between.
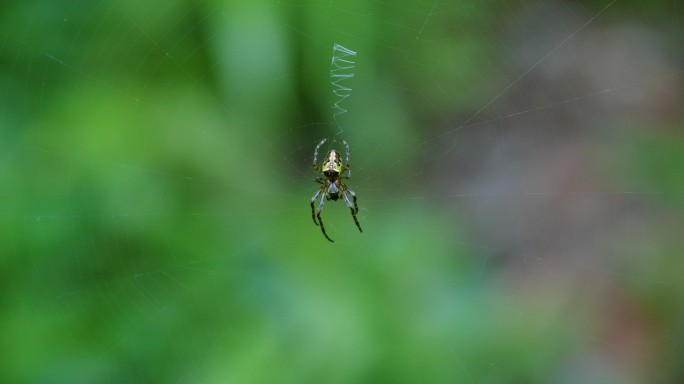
x: 332, y: 186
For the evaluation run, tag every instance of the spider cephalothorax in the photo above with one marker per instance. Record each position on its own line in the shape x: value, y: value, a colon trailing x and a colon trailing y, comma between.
x: 332, y: 186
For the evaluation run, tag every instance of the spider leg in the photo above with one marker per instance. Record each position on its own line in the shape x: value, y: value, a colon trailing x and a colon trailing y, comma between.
x: 356, y: 207
x: 313, y: 211
x: 353, y: 208
x: 320, y: 221
x: 315, y: 165
x: 346, y: 166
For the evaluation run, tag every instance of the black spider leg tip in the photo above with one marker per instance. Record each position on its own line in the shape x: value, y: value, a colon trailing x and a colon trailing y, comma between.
x: 320, y: 221
x: 353, y: 208
x: 323, y: 228
x: 313, y: 213
x: 356, y: 220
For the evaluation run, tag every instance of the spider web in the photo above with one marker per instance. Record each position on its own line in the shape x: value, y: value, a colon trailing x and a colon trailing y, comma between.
x: 518, y: 168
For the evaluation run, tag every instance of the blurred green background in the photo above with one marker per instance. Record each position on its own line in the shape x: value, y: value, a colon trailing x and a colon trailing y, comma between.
x: 519, y: 167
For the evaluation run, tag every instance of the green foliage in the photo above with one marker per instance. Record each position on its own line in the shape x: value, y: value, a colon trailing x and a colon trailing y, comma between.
x: 155, y: 178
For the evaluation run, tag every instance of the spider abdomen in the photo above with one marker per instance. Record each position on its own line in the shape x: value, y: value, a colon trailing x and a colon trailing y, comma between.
x: 333, y: 191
